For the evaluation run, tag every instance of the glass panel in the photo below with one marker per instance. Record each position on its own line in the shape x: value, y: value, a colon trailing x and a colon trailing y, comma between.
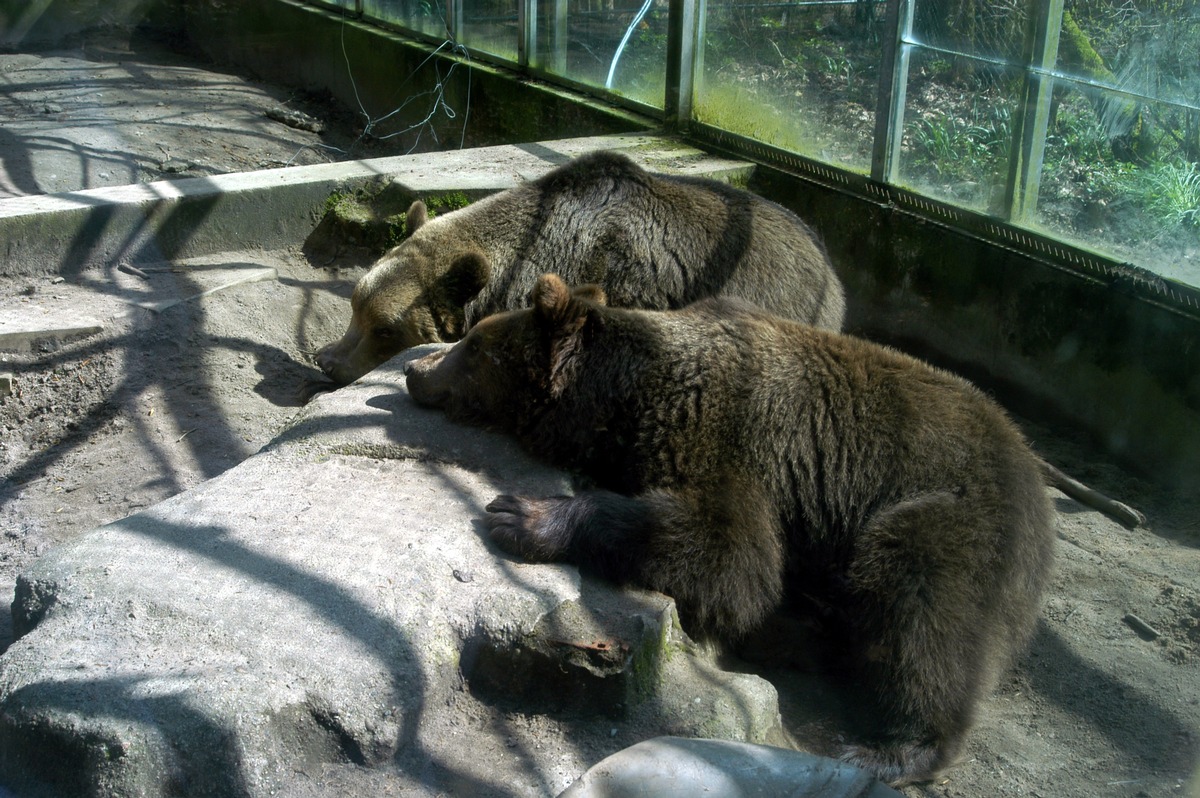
x: 958, y: 129
x: 620, y: 45
x: 1150, y: 48
x: 349, y: 5
x: 1121, y: 172
x: 490, y: 26
x: 1099, y: 190
x: 799, y: 76
x: 992, y: 31
x: 426, y: 16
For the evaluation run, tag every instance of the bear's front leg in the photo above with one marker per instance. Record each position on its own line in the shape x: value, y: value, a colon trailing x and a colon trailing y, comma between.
x: 724, y: 569
x: 598, y: 528
x: 528, y: 528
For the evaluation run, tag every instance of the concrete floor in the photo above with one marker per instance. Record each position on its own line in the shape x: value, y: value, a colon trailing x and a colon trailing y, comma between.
x: 116, y: 109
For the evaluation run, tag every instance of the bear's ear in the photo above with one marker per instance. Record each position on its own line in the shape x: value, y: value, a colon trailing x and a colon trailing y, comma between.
x: 551, y: 301
x: 561, y: 317
x: 416, y: 217
x: 590, y: 293
x: 466, y: 277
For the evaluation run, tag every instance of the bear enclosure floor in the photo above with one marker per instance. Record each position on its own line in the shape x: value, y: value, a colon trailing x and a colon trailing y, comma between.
x: 165, y: 397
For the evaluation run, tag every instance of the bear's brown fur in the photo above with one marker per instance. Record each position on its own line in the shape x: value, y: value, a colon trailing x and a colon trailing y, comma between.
x: 650, y: 240
x: 740, y: 460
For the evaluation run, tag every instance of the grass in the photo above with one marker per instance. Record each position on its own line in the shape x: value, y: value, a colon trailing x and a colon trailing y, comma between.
x: 1171, y: 192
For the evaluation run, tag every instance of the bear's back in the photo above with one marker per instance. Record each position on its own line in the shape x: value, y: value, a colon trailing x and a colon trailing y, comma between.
x: 840, y: 433
x: 832, y: 421
x: 651, y: 241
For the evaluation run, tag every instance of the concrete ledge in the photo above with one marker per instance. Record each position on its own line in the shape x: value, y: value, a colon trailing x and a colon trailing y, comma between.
x: 72, y: 233
x: 22, y: 329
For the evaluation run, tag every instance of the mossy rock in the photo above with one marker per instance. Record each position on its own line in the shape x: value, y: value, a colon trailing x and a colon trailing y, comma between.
x: 359, y: 225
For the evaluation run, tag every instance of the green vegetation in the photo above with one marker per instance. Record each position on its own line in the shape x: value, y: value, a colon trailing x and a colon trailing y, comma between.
x: 725, y: 107
x: 1171, y: 192
x: 373, y: 216
x: 948, y: 143
x: 351, y: 206
x: 444, y: 203
x: 1121, y: 163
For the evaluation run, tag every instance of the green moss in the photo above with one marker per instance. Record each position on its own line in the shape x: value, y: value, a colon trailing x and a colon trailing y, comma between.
x: 726, y: 107
x: 444, y: 203
x: 350, y: 206
x: 1077, y: 51
x: 650, y: 659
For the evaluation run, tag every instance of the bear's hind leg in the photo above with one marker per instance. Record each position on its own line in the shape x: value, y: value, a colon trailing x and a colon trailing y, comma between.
x: 725, y: 575
x: 927, y: 587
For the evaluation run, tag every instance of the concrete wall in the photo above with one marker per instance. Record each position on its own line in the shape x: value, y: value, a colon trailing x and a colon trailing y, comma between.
x: 36, y: 23
x: 299, y: 45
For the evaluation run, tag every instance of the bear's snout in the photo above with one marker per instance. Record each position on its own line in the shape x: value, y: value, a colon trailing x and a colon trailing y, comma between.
x: 423, y: 382
x: 327, y: 358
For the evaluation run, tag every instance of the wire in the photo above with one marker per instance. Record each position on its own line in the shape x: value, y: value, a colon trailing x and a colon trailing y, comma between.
x: 438, y: 92
x: 612, y: 68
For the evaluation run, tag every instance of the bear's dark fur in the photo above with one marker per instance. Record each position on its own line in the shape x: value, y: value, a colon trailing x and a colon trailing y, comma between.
x: 741, y: 460
x: 650, y: 240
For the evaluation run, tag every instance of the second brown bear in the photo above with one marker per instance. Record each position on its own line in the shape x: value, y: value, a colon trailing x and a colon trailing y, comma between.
x: 651, y: 240
x: 741, y: 459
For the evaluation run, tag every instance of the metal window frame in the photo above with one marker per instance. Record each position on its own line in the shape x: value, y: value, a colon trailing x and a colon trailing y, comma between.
x: 1033, y: 113
x: 684, y: 68
x: 333, y: 5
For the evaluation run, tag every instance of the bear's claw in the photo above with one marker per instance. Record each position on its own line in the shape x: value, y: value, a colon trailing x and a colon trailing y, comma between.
x: 513, y: 527
x: 897, y: 766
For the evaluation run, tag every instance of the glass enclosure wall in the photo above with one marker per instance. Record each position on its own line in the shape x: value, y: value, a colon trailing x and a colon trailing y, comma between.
x: 488, y: 26
x: 800, y: 76
x: 616, y: 45
x: 1075, y: 119
x: 963, y: 94
x: 422, y: 16
x: 1122, y: 161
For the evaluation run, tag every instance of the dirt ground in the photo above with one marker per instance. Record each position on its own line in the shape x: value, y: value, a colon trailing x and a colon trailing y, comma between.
x: 97, y: 428
x: 112, y: 109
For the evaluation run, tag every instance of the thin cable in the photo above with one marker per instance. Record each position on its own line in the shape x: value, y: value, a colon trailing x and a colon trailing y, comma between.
x: 612, y: 68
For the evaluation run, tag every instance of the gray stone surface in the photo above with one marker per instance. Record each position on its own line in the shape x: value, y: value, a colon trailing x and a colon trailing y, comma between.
x: 23, y: 328
x: 331, y: 608
x: 674, y: 767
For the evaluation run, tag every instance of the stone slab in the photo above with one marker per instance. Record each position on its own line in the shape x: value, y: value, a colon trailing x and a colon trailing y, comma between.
x: 23, y: 327
x: 333, y: 601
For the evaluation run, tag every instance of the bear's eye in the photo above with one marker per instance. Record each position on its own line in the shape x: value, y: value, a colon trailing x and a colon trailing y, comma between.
x: 383, y: 332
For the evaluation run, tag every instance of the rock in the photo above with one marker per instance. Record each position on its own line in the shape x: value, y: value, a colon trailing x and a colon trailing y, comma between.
x: 671, y: 766
x: 302, y: 612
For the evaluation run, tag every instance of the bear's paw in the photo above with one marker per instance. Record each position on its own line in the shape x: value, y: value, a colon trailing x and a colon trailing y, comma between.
x: 528, y: 527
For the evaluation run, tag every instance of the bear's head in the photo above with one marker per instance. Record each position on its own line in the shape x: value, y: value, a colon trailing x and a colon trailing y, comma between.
x: 510, y: 364
x: 414, y: 295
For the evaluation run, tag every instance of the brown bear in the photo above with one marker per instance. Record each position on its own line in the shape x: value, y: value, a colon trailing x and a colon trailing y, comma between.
x: 650, y: 240
x: 740, y: 461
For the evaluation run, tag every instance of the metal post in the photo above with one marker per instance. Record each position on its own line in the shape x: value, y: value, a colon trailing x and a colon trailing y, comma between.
x: 453, y: 20
x: 681, y: 61
x: 526, y: 32
x: 893, y: 87
x: 559, y: 39
x: 1032, y: 116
